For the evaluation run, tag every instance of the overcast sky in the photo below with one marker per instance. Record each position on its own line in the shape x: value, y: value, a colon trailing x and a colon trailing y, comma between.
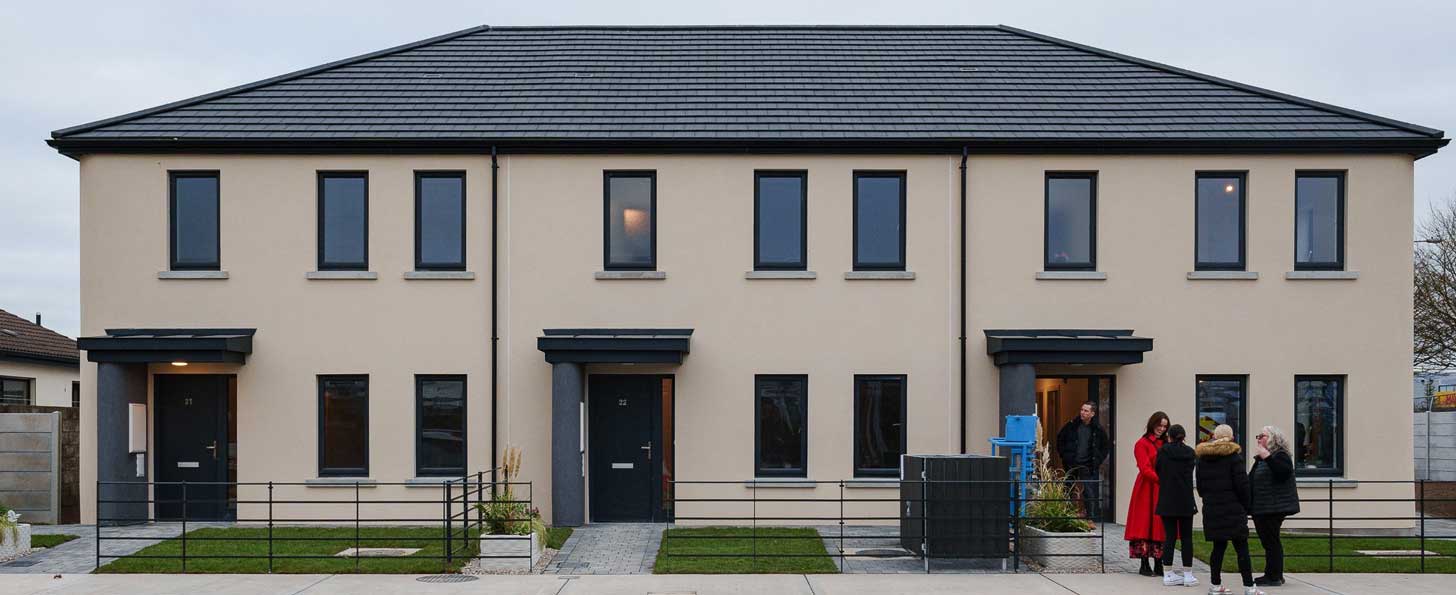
x: 69, y: 62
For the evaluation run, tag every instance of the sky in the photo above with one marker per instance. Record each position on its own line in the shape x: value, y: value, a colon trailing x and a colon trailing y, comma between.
x: 67, y: 63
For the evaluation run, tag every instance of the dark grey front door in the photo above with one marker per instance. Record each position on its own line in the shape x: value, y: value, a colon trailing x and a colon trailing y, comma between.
x: 625, y: 417
x: 192, y: 441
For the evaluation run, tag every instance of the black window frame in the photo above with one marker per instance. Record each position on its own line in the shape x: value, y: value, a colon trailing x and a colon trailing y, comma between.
x: 1243, y: 379
x: 76, y: 393
x: 1339, y: 263
x: 904, y: 424
x: 1046, y: 221
x: 607, y: 175
x: 29, y: 390
x: 1341, y: 400
x: 344, y: 266
x: 420, y: 469
x: 904, y: 182
x: 420, y: 177
x: 1242, y: 264
x: 803, y: 262
x: 172, y: 177
x: 758, y: 469
x: 342, y: 471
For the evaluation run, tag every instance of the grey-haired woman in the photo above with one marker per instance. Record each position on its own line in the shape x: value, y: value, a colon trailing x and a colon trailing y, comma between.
x: 1273, y: 496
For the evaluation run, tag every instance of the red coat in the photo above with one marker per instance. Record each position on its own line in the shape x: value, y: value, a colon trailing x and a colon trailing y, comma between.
x: 1142, y: 522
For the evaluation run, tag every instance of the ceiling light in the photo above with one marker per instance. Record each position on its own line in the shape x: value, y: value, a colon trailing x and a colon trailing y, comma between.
x: 1228, y: 189
x: 179, y: 364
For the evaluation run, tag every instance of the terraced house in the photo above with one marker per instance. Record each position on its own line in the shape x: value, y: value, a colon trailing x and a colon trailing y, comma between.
x: 733, y: 253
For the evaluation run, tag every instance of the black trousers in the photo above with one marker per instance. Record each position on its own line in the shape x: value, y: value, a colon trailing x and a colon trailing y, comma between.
x: 1267, y: 526
x: 1173, y: 527
x: 1215, y: 561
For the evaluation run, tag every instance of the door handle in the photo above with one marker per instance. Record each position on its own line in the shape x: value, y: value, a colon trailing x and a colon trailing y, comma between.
x: 648, y: 447
x: 213, y: 449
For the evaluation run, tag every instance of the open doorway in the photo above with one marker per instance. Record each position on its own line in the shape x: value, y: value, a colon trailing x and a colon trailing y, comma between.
x: 1059, y: 399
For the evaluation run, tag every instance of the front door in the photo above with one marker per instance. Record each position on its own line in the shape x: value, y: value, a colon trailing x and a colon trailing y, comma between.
x: 192, y: 441
x: 624, y: 446
x: 1059, y: 399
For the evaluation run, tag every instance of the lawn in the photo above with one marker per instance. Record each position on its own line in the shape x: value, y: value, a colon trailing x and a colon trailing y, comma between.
x: 232, y: 553
x: 49, y: 540
x: 556, y: 537
x: 1298, y: 545
x: 730, y: 550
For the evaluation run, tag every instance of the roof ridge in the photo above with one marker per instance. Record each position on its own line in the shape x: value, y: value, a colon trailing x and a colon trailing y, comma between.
x: 1369, y: 117
x: 734, y: 27
x: 265, y: 82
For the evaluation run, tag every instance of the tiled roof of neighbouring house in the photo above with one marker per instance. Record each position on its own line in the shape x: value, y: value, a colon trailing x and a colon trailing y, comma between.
x: 993, y: 88
x: 23, y: 339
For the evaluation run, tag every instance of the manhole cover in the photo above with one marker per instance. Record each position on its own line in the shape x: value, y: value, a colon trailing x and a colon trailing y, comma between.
x: 21, y: 563
x: 447, y: 578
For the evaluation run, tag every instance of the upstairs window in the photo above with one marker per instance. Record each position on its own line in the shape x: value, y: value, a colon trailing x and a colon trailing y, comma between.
x: 1071, y: 222
x: 440, y: 221
x: 781, y: 404
x: 343, y: 426
x: 879, y: 221
x: 343, y: 222
x: 440, y: 426
x: 780, y: 221
x: 1219, y: 221
x: 193, y: 219
x: 1319, y: 221
x: 1319, y: 419
x: 630, y: 222
x: 879, y: 425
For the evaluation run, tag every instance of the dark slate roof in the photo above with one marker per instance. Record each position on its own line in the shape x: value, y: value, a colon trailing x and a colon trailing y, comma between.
x: 21, y: 339
x: 994, y: 88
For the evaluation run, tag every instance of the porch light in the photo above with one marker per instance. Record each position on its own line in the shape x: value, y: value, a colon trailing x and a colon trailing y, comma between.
x: 179, y: 364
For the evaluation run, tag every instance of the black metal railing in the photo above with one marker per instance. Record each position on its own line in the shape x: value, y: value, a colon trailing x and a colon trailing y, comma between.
x: 191, y: 526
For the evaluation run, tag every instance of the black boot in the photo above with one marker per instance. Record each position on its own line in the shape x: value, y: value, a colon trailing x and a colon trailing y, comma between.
x: 1145, y: 570
x: 1158, y: 567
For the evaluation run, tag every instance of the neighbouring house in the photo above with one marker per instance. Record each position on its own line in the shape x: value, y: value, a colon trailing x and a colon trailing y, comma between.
x: 734, y: 253
x: 38, y: 366
x: 40, y: 389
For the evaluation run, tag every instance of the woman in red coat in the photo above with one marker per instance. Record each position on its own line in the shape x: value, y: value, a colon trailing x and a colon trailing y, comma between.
x: 1144, y: 528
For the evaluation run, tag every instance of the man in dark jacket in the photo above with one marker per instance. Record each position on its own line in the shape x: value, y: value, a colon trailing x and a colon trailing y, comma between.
x: 1082, y: 444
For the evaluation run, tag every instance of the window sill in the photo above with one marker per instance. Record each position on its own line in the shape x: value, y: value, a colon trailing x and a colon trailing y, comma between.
x: 192, y: 274
x: 780, y: 275
x: 780, y: 482
x: 879, y: 276
x: 1223, y: 276
x: 341, y: 275
x: 1322, y: 275
x: 630, y: 275
x: 428, y: 482
x: 869, y: 482
x: 1071, y: 276
x: 340, y: 482
x: 1338, y: 483
x: 439, y: 275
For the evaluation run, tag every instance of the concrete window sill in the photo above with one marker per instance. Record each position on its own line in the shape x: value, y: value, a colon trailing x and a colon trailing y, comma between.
x: 780, y: 275
x: 340, y: 482
x: 888, y: 482
x: 192, y: 274
x: 439, y: 275
x: 630, y: 275
x: 879, y: 276
x: 1322, y: 275
x: 428, y: 482
x: 1223, y: 276
x: 1324, y: 483
x: 779, y: 482
x: 1071, y: 276
x: 341, y: 275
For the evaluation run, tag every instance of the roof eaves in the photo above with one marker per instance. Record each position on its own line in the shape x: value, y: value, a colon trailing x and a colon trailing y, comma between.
x: 55, y: 134
x: 1416, y: 128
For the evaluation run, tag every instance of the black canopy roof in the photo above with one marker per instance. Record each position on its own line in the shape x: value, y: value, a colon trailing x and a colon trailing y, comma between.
x: 1066, y: 346
x: 615, y: 345
x: 155, y: 345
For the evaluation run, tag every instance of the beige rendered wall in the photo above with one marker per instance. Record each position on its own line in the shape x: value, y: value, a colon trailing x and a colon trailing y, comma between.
x: 50, y: 385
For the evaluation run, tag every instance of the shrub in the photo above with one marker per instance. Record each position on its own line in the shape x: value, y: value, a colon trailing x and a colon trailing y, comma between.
x: 503, y: 514
x: 1052, y: 502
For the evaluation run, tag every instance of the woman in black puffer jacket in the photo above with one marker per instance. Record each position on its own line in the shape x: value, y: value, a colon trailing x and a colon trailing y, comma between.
x: 1273, y: 496
x: 1224, y: 486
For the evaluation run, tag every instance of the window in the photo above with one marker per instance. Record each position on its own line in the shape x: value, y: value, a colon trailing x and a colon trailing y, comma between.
x: 1219, y: 221
x: 780, y: 221
x: 76, y: 394
x: 343, y: 426
x: 15, y: 391
x: 782, y: 409
x: 343, y: 222
x: 1319, y: 419
x: 630, y: 236
x: 440, y: 221
x: 1071, y: 221
x: 879, y: 221
x: 193, y: 219
x: 440, y: 425
x: 1221, y: 400
x: 879, y: 425
x: 1319, y: 221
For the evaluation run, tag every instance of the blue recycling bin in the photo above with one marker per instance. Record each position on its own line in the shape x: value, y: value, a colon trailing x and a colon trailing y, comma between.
x: 1019, y: 448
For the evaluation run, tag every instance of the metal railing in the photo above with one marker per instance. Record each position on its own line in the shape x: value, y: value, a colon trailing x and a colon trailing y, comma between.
x: 1343, y: 514
x: 274, y: 523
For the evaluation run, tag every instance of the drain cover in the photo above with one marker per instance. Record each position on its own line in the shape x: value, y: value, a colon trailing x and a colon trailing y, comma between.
x: 21, y: 563
x: 882, y: 553
x: 447, y: 578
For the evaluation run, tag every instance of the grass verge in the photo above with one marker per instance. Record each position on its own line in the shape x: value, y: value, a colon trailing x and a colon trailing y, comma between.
x: 1310, y: 553
x: 556, y: 537
x: 731, y: 550
x: 49, y: 539
x: 238, y: 550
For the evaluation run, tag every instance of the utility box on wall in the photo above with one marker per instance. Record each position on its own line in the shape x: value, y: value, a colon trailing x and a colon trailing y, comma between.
x: 960, y: 510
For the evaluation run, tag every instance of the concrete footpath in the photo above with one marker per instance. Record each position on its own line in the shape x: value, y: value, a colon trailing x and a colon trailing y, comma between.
x: 862, y: 584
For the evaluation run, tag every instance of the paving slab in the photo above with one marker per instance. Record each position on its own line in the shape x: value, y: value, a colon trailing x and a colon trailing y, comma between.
x: 933, y: 584
x: 355, y: 584
x: 695, y: 584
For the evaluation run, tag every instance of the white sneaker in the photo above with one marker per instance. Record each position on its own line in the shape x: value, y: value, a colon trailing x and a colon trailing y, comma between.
x: 1189, y: 580
x: 1171, y: 578
x: 1253, y: 591
x: 1219, y: 590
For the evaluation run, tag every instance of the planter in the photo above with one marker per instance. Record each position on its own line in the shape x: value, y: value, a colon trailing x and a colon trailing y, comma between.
x: 17, y: 544
x: 1060, y: 552
x: 509, y: 552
